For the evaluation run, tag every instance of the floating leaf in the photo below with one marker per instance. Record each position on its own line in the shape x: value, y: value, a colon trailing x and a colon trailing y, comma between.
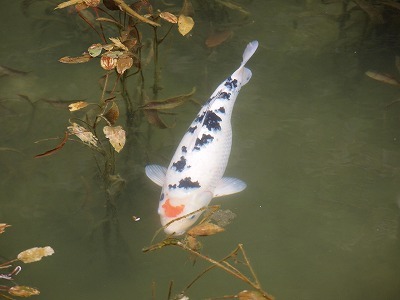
x: 35, y: 254
x: 68, y: 3
x: 193, y: 243
x: 77, y: 105
x: 95, y: 50
x: 57, y: 148
x: 110, y: 21
x: 112, y: 114
x: 116, y: 135
x: 107, y: 62
x: 382, y: 77
x: 185, y: 24
x: 124, y: 63
x: 3, y: 226
x: 167, y: 16
x: 205, y: 229
x: 75, y: 60
x: 170, y: 102
x: 23, y: 291
x: 83, y: 134
x: 118, y: 43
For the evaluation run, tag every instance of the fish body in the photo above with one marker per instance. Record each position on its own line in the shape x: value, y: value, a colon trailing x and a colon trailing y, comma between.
x: 195, y: 173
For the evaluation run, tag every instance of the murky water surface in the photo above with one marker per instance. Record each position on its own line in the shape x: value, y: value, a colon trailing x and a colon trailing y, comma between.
x: 313, y: 139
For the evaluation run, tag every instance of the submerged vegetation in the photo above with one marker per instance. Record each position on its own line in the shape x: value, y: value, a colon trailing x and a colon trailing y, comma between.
x: 8, y: 270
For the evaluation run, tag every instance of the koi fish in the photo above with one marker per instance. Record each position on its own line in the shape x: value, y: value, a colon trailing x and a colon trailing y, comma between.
x: 194, y: 175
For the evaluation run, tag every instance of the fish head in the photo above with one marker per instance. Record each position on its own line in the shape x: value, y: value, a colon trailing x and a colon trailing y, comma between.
x: 176, y: 211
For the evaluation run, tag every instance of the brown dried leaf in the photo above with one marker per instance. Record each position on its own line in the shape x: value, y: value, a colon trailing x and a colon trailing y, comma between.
x: 83, y: 134
x: 187, y: 8
x: 57, y: 148
x: 205, y: 229
x: 23, y: 291
x: 167, y: 16
x: 35, y: 254
x: 116, y: 135
x: 124, y: 63
x: 112, y: 114
x: 185, y: 24
x: 118, y: 44
x: 68, y: 3
x: 193, y: 243
x: 77, y: 105
x: 107, y: 62
x: 75, y: 60
x: 382, y: 77
x: 3, y: 226
x: 170, y: 102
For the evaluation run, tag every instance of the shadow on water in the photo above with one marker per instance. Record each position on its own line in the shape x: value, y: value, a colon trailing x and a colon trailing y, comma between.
x: 315, y: 139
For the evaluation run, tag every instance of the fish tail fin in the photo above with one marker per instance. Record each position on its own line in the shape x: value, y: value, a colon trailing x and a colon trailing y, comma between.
x: 249, y: 51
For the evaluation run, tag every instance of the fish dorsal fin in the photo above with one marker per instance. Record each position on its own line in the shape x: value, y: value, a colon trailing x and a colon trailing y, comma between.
x: 229, y: 185
x: 156, y: 174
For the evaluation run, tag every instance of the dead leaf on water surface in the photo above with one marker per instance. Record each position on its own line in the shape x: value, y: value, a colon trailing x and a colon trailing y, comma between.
x: 205, y: 229
x: 85, y: 57
x: 68, y: 3
x: 83, y: 134
x: 22, y: 291
x: 124, y: 63
x: 118, y: 43
x: 185, y: 24
x: 112, y: 114
x: 116, y: 136
x: 77, y: 105
x: 167, y: 16
x: 107, y: 62
x: 35, y: 254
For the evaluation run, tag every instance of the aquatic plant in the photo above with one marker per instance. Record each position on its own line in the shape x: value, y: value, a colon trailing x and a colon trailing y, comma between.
x: 213, y: 223
x: 11, y: 270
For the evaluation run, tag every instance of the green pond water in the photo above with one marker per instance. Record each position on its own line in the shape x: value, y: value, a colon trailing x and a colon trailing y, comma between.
x: 313, y: 139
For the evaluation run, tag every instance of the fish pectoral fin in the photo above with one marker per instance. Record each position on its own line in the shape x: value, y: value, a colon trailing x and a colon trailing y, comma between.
x: 229, y: 185
x: 156, y: 174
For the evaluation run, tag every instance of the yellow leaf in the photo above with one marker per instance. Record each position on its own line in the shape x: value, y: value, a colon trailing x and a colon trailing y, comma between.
x: 68, y: 3
x: 23, y: 291
x: 75, y: 60
x: 116, y: 135
x: 35, y: 254
x: 77, y: 105
x: 185, y: 24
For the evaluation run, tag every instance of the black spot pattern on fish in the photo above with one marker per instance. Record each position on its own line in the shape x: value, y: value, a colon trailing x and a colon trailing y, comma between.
x: 224, y: 95
x: 231, y: 83
x: 221, y: 109
x: 200, y: 118
x: 205, y: 139
x: 162, y: 197
x: 180, y: 164
x: 192, y: 129
x: 212, y: 120
x: 187, y: 183
x: 184, y: 149
x: 172, y: 186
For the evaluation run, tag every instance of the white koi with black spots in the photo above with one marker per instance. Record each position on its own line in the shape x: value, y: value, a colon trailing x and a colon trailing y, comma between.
x: 194, y: 175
